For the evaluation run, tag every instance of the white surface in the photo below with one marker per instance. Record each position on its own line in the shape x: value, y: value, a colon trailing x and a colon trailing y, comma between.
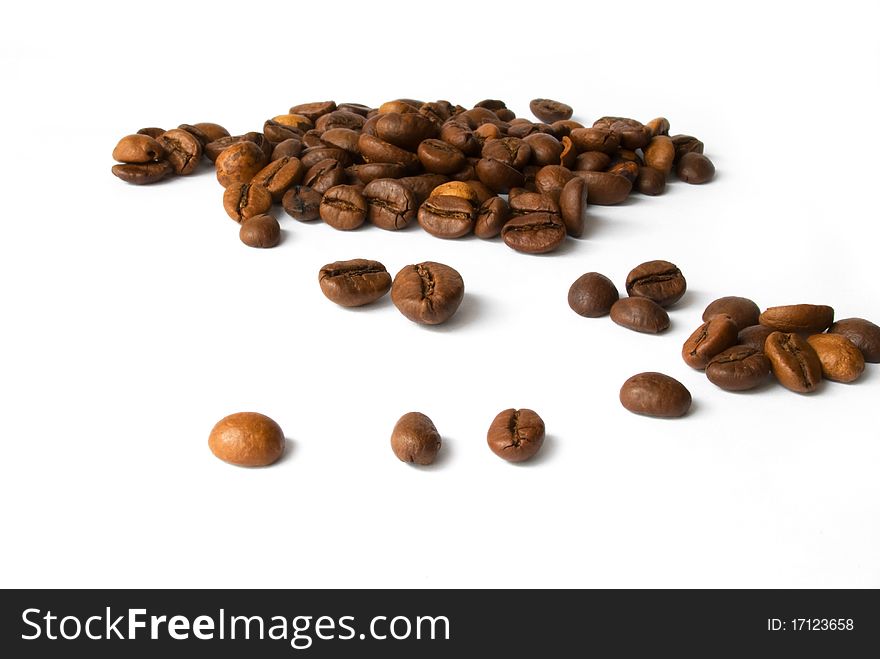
x: 133, y: 318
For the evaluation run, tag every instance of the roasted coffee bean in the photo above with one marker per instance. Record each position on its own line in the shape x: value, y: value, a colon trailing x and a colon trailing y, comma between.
x: 302, y: 203
x: 628, y: 169
x: 487, y: 132
x: 343, y: 207
x: 197, y: 133
x: 742, y: 310
x: 564, y: 127
x: 291, y: 148
x: 516, y: 435
x: 313, y: 155
x: 279, y: 176
x: 465, y: 174
x: 439, y: 157
x: 481, y: 190
x: 592, y: 161
x: 461, y: 137
x: 340, y: 119
x: 371, y: 171
x: 497, y: 175
x: 650, y: 181
x: 151, y: 131
x: 423, y: 185
x: 535, y: 233
x: 629, y: 156
x: 658, y: 126
x: 568, y: 156
x: 551, y: 180
x: 313, y: 110
x: 143, y: 173
x: 685, y: 144
x: 457, y: 189
x: 182, y: 150
x: 277, y: 132
x: 356, y: 108
x: 803, y: 318
x: 342, y: 138
x: 738, y: 368
x: 324, y: 175
x: 400, y: 106
x: 605, y: 189
x: 863, y: 334
x: 312, y: 140
x: 754, y: 336
x: 711, y: 338
x: 391, y: 204
x: 595, y: 139
x: 794, y: 362
x: 533, y: 202
x: 445, y: 216
x: 695, y: 168
x: 640, y: 314
x: 211, y: 131
x: 592, y: 295
x: 138, y: 149
x: 491, y: 104
x: 509, y: 150
x: 660, y: 154
x: 405, y: 130
x: 213, y: 149
x: 633, y: 134
x: 260, y: 231
x: 660, y: 281
x: 545, y: 149
x: 297, y: 121
x: 841, y: 360
x: 655, y: 394
x: 354, y: 283
x: 491, y: 217
x: 415, y: 439
x: 428, y: 293
x: 247, y: 439
x: 240, y: 163
x: 549, y: 111
x: 244, y: 200
x: 374, y: 149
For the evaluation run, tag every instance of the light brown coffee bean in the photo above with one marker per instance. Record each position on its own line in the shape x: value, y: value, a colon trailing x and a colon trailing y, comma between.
x: 247, y: 439
x: 415, y: 439
x: 841, y: 360
x: 516, y: 435
x: 709, y: 339
x: 244, y: 200
x: 794, y: 362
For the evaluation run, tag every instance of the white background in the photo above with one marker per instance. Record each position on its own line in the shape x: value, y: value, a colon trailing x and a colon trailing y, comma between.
x: 133, y: 318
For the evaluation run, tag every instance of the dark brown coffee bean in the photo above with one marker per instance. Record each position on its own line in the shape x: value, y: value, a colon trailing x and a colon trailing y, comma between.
x: 213, y: 149
x: 340, y: 119
x: 685, y: 144
x: 461, y: 137
x: 481, y: 190
x: 841, y: 360
x: 343, y: 207
x: 491, y: 217
x: 497, y: 175
x: 211, y: 131
x: 467, y: 173
x: 279, y: 176
x: 550, y: 111
x: 632, y: 134
x: 487, y: 132
x: 239, y: 163
x: 439, y: 157
x: 568, y: 156
x: 551, y: 180
x: 324, y: 175
x: 595, y: 139
x: 476, y: 117
x: 658, y: 126
x: 302, y: 203
x: 660, y: 281
x: 803, y: 318
x: 287, y: 149
x: 628, y: 169
x: 712, y: 337
x: 754, y: 336
x: 535, y: 233
x: 794, y: 362
x: 592, y: 161
x: 655, y: 394
x: 533, y: 202
x: 182, y: 150
x: 405, y: 130
x: 650, y: 181
x: 312, y: 140
x: 260, y: 231
x: 423, y: 185
x: 196, y: 133
x: 415, y: 439
x: 313, y: 110
x: 640, y: 314
x: 374, y: 149
x: 605, y: 189
x: 742, y: 310
x: 354, y: 283
x: 391, y: 204
x: 739, y: 368
x: 863, y: 334
x: 516, y: 435
x: 660, y: 154
x: 151, y: 131
x: 509, y: 150
x: 342, y: 138
x: 277, y: 132
x: 445, y: 216
x: 428, y: 293
x: 138, y: 149
x: 356, y: 108
x: 143, y: 173
x: 629, y: 156
x: 564, y: 127
x: 546, y: 149
x: 695, y: 168
x: 244, y: 200
x: 592, y: 295
x: 313, y: 155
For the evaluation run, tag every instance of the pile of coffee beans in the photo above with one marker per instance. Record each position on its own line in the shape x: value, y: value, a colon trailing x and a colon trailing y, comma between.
x: 452, y: 170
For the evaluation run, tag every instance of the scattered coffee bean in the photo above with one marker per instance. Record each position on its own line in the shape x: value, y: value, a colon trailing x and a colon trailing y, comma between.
x: 491, y: 217
x: 535, y: 233
x: 391, y: 204
x: 660, y: 154
x: 605, y: 188
x: 211, y: 131
x: 324, y: 175
x: 712, y: 337
x: 802, y: 318
x: 633, y: 134
x: 650, y: 181
x: 415, y: 439
x: 152, y: 131
x: 658, y: 126
x: 742, y: 310
x: 138, y: 149
x: 863, y: 334
x: 247, y: 439
x: 841, y: 360
x: 343, y: 207
x: 738, y: 368
x: 794, y: 362
x: 660, y: 281
x: 428, y: 293
x: 260, y: 231
x: 516, y: 435
x: 550, y: 111
x: 302, y: 203
x: 592, y: 295
x: 573, y: 205
x: 695, y: 168
x: 182, y: 150
x: 754, y: 336
x: 640, y: 314
x: 239, y: 163
x: 445, y: 216
x: 143, y: 173
x: 686, y: 144
x: 244, y: 200
x: 279, y: 176
x: 354, y: 283
x: 655, y: 394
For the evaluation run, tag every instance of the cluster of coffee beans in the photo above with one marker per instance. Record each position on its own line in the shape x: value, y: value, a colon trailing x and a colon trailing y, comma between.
x: 428, y: 293
x: 447, y: 167
x: 739, y: 347
x: 251, y: 439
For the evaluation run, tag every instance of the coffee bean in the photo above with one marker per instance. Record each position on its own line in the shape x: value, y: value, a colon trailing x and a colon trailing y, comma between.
x: 277, y: 132
x: 841, y: 360
x: 391, y: 204
x: 428, y: 293
x: 405, y: 130
x: 143, y: 173
x: 342, y: 138
x: 491, y: 217
x: 313, y: 155
x: 545, y: 149
x: 551, y: 180
x: 460, y: 189
x: 592, y: 295
x: 742, y: 310
x: 516, y: 435
x: 297, y: 121
x: 465, y: 174
x: 302, y: 203
x: 660, y: 154
x: 312, y: 140
x: 685, y: 144
x: 564, y: 127
x: 182, y: 150
x: 213, y: 149
x: 640, y: 314
x: 794, y: 362
x: 606, y: 189
x: 535, y: 233
x: 291, y: 148
x: 632, y: 134
x: 650, y: 181
x: 354, y: 283
x: 573, y: 205
x: 355, y: 108
x: 260, y: 231
x: 533, y: 202
x: 695, y: 168
x: 211, y: 131
x: 374, y: 149
x: 313, y: 110
x: 658, y: 126
x: 738, y: 368
x: 415, y: 439
x: 568, y: 157
x: 247, y: 439
x: 550, y: 111
x: 422, y: 185
x: 440, y: 157
x: 592, y: 161
x: 803, y: 318
x: 340, y: 119
x: 709, y: 339
x: 244, y: 200
x: 498, y: 176
x: 151, y: 131
x: 863, y: 334
x: 461, y: 137
x: 138, y: 149
x: 660, y: 281
x: 595, y: 139
x: 279, y: 176
x: 655, y: 394
x: 343, y: 207
x: 196, y: 133
x: 446, y: 216
x: 628, y: 169
x: 754, y: 336
x: 509, y: 150
x: 239, y: 163
x: 324, y: 175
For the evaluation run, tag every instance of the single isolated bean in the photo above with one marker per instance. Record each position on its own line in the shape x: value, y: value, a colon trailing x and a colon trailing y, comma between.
x: 415, y: 439
x: 244, y: 200
x: 640, y: 314
x: 655, y: 394
x: 695, y: 168
x: 592, y: 295
x: 516, y: 435
x: 549, y: 111
x: 354, y: 283
x: 428, y: 293
x: 247, y: 439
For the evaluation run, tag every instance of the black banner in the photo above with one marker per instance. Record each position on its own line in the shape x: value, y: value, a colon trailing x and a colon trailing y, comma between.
x: 439, y: 623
